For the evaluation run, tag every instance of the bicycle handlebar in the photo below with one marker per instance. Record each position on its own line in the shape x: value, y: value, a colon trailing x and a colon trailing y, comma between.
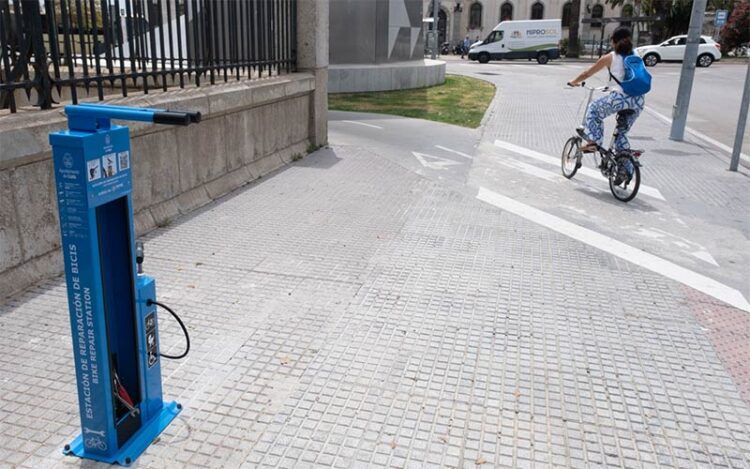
x: 590, y: 88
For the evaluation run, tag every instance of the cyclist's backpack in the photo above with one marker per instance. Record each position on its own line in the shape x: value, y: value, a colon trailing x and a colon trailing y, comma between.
x: 637, y: 80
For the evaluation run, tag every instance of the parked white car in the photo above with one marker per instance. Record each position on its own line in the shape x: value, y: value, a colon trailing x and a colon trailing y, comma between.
x: 673, y: 49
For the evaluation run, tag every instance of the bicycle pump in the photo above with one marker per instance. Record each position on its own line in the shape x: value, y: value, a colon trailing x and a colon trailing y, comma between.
x: 112, y: 311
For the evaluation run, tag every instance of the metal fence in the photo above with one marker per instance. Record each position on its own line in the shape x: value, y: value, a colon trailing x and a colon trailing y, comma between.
x: 51, y: 47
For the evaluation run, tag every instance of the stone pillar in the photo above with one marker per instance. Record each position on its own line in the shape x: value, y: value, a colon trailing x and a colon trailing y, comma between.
x: 312, y: 57
x: 456, y: 36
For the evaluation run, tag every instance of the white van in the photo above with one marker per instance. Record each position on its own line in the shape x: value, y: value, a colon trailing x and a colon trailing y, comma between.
x: 528, y: 39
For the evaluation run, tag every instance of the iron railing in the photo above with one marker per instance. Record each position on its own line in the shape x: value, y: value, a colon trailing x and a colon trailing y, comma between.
x: 48, y: 47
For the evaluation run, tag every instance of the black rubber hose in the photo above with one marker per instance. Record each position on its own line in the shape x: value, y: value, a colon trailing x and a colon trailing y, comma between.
x: 182, y: 325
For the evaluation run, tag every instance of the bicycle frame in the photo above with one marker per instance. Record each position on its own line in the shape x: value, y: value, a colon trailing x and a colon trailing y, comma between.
x: 602, y: 151
x: 608, y: 160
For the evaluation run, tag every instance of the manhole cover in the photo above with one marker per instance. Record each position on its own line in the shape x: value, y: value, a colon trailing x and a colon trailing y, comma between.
x: 489, y: 73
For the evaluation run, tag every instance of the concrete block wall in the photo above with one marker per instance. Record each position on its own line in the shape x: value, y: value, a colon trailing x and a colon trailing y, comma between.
x: 249, y: 129
x: 356, y: 78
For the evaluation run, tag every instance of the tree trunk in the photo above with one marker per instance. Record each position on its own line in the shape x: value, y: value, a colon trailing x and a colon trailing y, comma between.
x: 575, y: 20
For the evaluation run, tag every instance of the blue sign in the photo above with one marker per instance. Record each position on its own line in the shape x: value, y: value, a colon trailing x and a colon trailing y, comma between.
x: 721, y: 18
x: 114, y: 326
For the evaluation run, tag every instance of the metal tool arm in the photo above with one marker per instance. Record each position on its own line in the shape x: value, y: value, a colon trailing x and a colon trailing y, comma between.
x: 91, y: 117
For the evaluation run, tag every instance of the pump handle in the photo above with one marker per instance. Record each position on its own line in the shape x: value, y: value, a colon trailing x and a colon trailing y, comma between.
x: 139, y: 256
x: 176, y: 117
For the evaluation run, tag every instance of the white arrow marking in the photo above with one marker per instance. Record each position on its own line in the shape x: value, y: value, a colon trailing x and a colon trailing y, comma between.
x: 705, y: 256
x: 617, y: 248
x: 535, y: 155
x: 434, y: 162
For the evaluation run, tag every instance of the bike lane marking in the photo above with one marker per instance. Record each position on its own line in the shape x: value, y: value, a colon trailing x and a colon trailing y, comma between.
x: 459, y: 153
x: 434, y: 162
x: 617, y: 248
x: 531, y: 170
x: 588, y: 172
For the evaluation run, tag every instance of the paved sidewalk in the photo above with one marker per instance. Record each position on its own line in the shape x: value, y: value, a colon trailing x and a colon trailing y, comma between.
x: 346, y: 312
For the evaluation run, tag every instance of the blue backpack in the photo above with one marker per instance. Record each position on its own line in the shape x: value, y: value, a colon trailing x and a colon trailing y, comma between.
x: 637, y: 80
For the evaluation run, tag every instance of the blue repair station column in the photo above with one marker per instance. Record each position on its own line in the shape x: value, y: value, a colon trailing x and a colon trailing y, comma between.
x: 112, y: 316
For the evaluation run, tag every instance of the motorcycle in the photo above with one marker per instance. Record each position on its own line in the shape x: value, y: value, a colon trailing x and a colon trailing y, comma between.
x: 445, y: 48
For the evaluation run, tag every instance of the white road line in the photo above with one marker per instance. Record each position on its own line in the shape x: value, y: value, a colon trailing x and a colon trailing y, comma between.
x: 454, y: 151
x: 588, y: 172
x: 364, y: 124
x: 697, y: 134
x: 531, y: 170
x: 617, y: 248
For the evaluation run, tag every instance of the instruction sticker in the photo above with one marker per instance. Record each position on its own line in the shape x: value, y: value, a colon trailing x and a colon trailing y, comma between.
x: 152, y: 353
x: 94, y: 170
x: 109, y: 166
x: 124, y: 159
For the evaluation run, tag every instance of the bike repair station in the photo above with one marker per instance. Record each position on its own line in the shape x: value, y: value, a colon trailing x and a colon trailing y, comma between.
x: 112, y: 304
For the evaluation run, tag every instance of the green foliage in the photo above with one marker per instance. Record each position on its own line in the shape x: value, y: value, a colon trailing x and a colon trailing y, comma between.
x: 737, y: 29
x: 678, y: 19
x: 722, y: 4
x: 460, y: 101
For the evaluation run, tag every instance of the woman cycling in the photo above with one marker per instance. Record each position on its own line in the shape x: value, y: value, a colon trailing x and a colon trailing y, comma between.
x: 616, y: 100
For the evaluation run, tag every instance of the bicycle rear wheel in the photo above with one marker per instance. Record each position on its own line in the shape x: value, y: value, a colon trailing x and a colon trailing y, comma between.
x: 571, y: 157
x: 625, y: 188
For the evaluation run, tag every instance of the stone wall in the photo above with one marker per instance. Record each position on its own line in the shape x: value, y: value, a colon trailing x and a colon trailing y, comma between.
x: 249, y: 129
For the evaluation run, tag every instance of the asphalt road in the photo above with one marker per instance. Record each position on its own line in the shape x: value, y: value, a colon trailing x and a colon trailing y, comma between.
x: 714, y: 103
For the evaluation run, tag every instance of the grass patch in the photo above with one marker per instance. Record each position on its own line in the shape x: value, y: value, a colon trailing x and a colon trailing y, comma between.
x: 460, y: 101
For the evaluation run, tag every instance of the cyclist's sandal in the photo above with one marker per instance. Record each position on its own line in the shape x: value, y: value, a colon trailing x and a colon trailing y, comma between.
x: 589, y: 148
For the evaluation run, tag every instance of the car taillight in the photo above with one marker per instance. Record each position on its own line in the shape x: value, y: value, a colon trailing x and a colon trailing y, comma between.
x: 718, y: 46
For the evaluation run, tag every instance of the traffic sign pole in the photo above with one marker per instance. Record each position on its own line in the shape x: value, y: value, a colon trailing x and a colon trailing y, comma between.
x: 682, y: 103
x: 741, y: 123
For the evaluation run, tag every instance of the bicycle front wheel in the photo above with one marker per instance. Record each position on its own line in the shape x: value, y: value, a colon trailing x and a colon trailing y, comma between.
x: 571, y: 157
x: 626, y: 181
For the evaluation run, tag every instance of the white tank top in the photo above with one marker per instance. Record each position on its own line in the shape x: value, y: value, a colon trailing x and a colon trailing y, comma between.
x: 617, y: 69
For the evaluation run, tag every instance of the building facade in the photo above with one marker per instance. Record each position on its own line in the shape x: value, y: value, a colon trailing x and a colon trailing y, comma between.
x: 476, y: 18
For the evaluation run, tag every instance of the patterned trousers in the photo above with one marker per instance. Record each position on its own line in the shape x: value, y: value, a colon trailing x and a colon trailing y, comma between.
x: 612, y: 103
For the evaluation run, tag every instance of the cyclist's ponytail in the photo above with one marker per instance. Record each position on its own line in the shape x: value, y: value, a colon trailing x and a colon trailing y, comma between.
x: 622, y: 39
